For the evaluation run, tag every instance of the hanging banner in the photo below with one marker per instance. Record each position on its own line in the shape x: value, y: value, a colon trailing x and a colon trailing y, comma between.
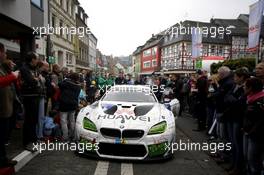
x: 255, y: 20
x: 196, y: 42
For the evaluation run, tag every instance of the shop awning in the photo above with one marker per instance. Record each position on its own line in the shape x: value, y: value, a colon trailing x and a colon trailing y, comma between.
x: 180, y: 72
x: 146, y: 73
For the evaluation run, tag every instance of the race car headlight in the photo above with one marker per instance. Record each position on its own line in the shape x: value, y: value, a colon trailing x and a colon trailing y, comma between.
x: 158, y: 128
x: 89, y: 125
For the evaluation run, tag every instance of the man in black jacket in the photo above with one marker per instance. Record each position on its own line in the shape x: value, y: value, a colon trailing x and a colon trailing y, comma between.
x: 31, y: 91
x: 121, y: 79
x: 200, y: 107
x: 68, y: 103
x: 177, y: 90
x: 226, y: 83
x: 235, y: 101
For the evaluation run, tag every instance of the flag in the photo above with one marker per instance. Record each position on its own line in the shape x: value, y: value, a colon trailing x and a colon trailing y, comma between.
x: 255, y: 20
x: 196, y: 42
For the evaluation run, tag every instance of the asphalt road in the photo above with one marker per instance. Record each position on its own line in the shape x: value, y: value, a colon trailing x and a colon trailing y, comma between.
x: 67, y: 163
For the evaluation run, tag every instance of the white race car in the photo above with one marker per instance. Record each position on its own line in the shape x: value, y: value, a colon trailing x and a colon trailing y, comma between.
x: 127, y: 123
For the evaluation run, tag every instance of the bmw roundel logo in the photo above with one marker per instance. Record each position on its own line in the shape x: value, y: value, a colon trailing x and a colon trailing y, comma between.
x: 122, y: 126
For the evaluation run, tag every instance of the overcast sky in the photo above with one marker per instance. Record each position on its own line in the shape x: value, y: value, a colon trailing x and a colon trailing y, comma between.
x: 122, y: 25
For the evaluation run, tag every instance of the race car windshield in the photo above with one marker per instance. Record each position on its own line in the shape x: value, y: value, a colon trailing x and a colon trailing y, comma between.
x: 129, y: 97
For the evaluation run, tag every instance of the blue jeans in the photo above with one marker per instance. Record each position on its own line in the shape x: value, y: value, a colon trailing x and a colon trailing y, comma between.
x: 221, y: 131
x: 41, y: 117
x: 253, y: 152
x: 67, y: 118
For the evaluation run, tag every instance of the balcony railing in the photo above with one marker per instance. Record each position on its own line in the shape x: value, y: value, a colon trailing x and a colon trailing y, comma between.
x: 82, y: 63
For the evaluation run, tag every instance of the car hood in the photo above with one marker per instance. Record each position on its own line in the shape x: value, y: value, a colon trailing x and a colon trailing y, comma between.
x: 125, y: 115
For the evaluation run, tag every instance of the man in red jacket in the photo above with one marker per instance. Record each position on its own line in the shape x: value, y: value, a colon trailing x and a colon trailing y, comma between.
x: 6, y: 80
x: 6, y: 106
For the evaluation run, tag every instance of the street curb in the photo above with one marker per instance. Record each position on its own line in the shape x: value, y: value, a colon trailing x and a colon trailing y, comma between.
x: 23, y: 158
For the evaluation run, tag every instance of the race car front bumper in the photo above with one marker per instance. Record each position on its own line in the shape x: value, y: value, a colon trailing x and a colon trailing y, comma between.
x: 149, y: 147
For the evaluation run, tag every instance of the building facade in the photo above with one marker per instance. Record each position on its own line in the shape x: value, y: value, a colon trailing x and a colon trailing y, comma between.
x: 239, y: 36
x: 176, y: 48
x: 92, y: 51
x: 99, y: 61
x: 82, y: 43
x: 136, y: 61
x: 176, y: 51
x: 17, y: 19
x: 62, y: 14
x: 151, y: 55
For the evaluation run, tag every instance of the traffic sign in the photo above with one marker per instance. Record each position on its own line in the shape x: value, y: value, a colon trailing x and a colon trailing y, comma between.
x: 198, y: 64
x: 51, y: 60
